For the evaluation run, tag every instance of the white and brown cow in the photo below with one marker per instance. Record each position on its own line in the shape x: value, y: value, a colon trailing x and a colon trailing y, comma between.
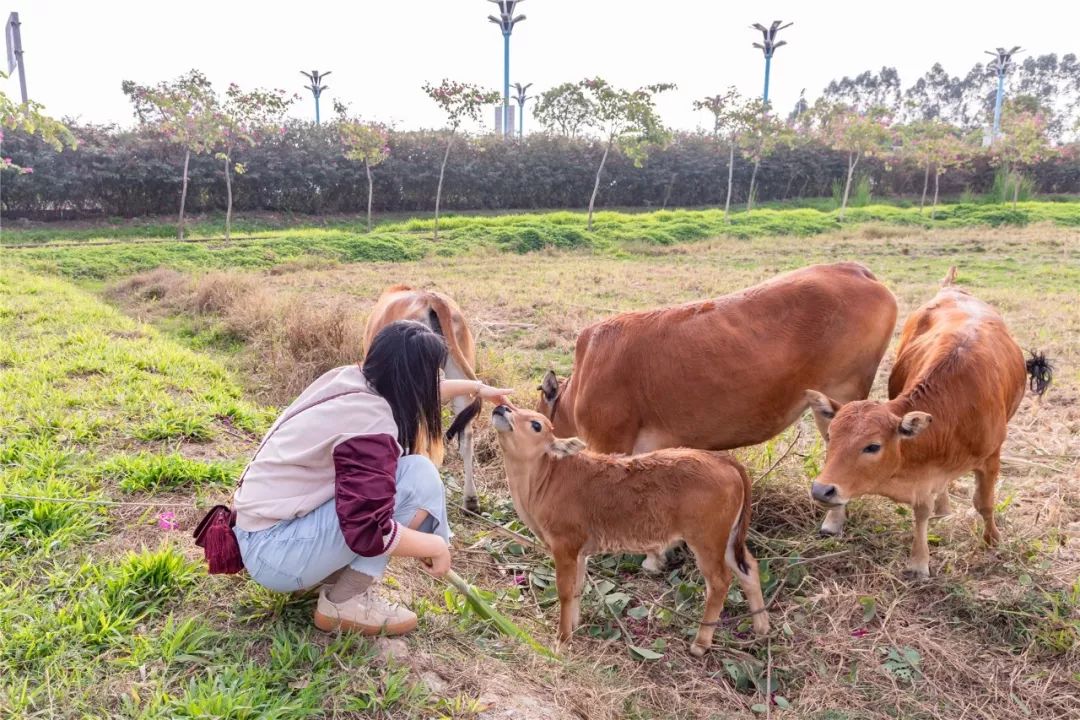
x: 441, y: 314
x: 727, y: 372
x: 580, y: 503
x: 959, y: 377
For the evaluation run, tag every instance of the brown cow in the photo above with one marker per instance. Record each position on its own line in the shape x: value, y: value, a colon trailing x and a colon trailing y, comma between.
x: 580, y: 503
x: 441, y: 314
x: 728, y: 372
x: 959, y: 376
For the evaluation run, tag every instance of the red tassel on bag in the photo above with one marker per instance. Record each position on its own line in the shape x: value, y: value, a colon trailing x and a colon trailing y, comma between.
x: 215, y: 536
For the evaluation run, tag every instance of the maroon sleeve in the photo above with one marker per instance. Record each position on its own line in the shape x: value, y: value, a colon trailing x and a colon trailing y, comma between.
x: 364, y: 486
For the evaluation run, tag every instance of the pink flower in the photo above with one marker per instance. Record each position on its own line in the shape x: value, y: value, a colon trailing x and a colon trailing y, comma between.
x: 520, y: 579
x: 861, y: 632
x: 167, y: 520
x: 27, y: 171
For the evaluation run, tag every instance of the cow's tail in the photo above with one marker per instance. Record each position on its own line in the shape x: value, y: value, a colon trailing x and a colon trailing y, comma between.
x: 443, y: 321
x: 1040, y: 373
x: 950, y: 278
x: 743, y: 528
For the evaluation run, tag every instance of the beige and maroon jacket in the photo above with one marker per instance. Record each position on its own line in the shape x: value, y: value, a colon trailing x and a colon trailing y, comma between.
x: 338, y: 441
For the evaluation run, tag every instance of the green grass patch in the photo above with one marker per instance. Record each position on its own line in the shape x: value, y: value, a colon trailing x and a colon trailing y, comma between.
x: 148, y: 472
x: 516, y: 233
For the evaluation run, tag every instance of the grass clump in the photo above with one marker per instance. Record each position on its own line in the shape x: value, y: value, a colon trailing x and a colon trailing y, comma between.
x: 147, y: 472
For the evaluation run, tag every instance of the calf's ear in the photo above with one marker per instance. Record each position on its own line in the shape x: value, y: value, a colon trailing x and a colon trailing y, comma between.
x: 566, y: 447
x: 550, y: 386
x: 914, y: 423
x: 824, y: 408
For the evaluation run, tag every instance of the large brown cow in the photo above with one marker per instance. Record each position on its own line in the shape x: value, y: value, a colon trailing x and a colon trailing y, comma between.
x: 959, y: 376
x: 441, y: 313
x: 728, y: 372
x: 580, y: 503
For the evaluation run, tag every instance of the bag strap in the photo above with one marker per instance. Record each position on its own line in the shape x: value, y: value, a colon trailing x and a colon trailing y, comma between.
x: 284, y: 420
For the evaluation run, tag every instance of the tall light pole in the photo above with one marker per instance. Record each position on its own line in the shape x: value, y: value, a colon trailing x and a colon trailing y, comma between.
x: 506, y: 22
x: 1002, y: 64
x: 521, y: 97
x: 768, y: 46
x: 316, y: 87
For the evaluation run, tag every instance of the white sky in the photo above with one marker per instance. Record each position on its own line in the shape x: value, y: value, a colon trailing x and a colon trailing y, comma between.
x: 78, y: 51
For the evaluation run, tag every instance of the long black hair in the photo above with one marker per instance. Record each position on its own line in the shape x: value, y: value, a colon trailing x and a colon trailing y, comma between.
x: 402, y: 365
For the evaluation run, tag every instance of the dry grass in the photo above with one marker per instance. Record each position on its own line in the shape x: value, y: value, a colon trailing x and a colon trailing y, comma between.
x: 995, y: 632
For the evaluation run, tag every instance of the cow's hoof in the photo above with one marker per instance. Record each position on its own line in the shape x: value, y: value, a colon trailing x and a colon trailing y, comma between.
x: 916, y: 573
x: 830, y: 532
x: 698, y: 650
x: 653, y: 563
x: 472, y: 504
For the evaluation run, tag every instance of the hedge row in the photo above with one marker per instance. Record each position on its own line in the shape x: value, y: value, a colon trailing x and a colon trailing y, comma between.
x: 133, y: 173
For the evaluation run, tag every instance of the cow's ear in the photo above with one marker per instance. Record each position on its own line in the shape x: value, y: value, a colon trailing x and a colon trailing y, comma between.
x: 825, y: 409
x: 566, y: 447
x: 550, y: 386
x: 913, y: 423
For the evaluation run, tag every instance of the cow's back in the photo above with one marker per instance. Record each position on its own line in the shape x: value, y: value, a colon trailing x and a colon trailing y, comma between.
x: 957, y: 361
x: 732, y: 371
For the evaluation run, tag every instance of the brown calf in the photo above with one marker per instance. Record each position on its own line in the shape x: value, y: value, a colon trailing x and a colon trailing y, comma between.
x: 728, y: 372
x: 579, y: 503
x: 441, y: 314
x: 959, y: 376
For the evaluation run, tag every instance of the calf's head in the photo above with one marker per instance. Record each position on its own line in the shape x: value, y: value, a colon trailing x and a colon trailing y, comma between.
x: 550, y: 389
x: 526, y: 437
x: 863, y: 446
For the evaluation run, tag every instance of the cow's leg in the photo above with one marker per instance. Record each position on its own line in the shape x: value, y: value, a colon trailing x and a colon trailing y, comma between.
x: 579, y: 587
x: 835, y: 517
x: 465, y: 442
x: 919, y: 563
x: 942, y: 508
x: 566, y: 574
x: 985, y: 483
x: 710, y: 559
x: 465, y: 447
x: 750, y: 582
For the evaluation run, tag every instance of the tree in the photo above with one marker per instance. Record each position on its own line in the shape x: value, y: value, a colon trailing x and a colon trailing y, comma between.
x: 563, y: 109
x: 365, y: 142
x: 29, y: 118
x: 241, y: 119
x: 933, y: 145
x: 762, y: 135
x: 867, y: 90
x: 1023, y: 141
x: 460, y: 101
x: 183, y: 110
x: 859, y: 134
x: 729, y: 120
x: 626, y: 119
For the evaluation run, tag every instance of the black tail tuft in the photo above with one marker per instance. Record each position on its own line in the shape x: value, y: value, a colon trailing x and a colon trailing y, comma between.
x: 463, y: 418
x: 1041, y: 373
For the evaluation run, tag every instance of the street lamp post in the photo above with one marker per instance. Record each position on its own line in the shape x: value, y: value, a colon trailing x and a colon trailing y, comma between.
x: 521, y: 97
x: 316, y: 87
x: 1002, y: 63
x: 768, y: 46
x: 506, y: 22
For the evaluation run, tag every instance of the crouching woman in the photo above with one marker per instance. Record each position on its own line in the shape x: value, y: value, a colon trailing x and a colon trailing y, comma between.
x: 338, y: 485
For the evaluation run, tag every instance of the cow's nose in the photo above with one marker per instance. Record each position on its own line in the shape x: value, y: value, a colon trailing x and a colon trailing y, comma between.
x: 500, y: 410
x: 824, y: 493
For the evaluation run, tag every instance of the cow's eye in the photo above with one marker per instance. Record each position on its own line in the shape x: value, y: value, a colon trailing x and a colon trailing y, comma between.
x: 871, y: 448
x: 536, y: 426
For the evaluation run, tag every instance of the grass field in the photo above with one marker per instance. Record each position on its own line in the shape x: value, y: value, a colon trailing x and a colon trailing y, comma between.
x: 105, y: 611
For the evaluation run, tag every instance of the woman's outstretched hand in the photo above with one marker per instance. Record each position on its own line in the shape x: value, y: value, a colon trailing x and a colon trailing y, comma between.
x: 498, y: 396
x: 473, y: 388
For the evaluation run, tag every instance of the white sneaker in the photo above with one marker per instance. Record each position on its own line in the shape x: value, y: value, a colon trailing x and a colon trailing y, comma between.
x: 367, y: 613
